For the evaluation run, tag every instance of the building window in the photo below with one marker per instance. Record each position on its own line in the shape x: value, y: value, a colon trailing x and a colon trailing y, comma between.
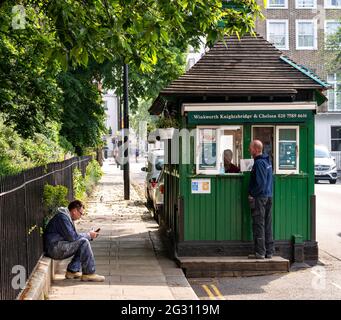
x: 336, y: 138
x: 330, y: 28
x: 277, y: 4
x: 334, y: 93
x: 287, y: 146
x: 278, y: 33
x: 305, y: 4
x: 306, y: 35
x: 105, y: 105
x: 332, y: 4
x: 217, y: 148
x: 266, y: 134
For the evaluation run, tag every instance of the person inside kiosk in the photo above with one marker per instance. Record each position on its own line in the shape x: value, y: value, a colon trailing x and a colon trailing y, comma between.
x: 229, y: 167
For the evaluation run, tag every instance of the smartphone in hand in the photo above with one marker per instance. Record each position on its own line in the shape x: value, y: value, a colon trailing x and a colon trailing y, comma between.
x: 98, y: 230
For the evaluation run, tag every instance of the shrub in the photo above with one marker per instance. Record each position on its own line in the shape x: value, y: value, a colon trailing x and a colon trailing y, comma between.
x: 54, y: 197
x: 92, y: 176
x: 84, y: 186
x: 79, y: 186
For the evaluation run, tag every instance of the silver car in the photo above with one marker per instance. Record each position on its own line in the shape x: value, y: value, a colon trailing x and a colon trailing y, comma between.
x: 325, y: 166
x: 153, y: 168
x: 158, y: 197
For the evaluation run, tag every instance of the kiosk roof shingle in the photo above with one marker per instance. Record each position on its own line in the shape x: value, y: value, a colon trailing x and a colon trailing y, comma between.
x: 247, y: 66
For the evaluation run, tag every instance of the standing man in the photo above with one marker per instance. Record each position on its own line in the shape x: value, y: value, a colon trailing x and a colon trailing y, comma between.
x: 62, y: 241
x: 260, y: 199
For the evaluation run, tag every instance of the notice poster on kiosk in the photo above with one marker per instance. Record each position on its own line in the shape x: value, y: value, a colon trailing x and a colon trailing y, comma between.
x: 287, y: 155
x: 201, y: 185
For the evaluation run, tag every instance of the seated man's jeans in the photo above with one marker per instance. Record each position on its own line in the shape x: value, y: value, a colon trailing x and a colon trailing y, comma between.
x: 83, y: 257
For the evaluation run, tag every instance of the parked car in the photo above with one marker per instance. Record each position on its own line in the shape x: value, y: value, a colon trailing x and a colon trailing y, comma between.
x: 155, y: 160
x: 158, y: 197
x: 325, y: 166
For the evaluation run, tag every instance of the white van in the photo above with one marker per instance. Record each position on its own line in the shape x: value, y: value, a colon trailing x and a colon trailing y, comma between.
x: 325, y: 166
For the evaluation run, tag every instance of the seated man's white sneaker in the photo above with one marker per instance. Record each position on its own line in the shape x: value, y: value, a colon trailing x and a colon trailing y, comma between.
x: 72, y: 275
x: 92, y: 277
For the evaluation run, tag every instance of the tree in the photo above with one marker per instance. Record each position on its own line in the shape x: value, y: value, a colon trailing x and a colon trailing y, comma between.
x: 28, y: 87
x: 332, y: 51
x: 67, y: 44
x: 83, y: 114
x: 140, y: 31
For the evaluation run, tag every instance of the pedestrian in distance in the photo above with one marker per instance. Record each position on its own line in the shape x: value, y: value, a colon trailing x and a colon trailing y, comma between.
x: 137, y: 154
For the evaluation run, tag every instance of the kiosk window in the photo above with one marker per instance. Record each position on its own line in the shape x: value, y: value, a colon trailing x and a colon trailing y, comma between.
x: 207, y: 149
x: 287, y: 140
x: 266, y: 135
x: 219, y: 149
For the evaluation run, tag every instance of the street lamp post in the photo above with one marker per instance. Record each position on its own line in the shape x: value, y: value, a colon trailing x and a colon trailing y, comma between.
x: 126, y: 133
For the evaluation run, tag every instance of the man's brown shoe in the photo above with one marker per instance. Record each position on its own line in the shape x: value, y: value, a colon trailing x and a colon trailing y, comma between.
x: 256, y: 256
x: 72, y: 275
x: 92, y: 277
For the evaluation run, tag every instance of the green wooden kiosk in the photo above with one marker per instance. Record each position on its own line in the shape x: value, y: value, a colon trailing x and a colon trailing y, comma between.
x: 238, y: 91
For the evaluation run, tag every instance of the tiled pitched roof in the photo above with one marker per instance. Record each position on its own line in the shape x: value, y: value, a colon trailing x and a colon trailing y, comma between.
x: 251, y: 66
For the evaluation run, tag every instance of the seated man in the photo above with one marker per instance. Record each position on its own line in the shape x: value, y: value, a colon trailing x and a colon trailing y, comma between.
x: 62, y: 241
x: 228, y: 165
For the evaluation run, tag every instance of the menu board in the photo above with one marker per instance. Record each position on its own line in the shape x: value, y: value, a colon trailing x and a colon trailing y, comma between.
x: 287, y: 155
x: 208, y: 149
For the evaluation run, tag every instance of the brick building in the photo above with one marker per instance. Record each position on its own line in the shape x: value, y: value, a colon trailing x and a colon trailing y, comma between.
x: 299, y: 29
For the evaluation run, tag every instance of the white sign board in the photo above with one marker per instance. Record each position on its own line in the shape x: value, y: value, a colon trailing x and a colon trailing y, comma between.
x: 201, y: 185
x: 246, y: 164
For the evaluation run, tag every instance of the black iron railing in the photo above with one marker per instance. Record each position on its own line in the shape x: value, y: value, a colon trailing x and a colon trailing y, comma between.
x: 21, y: 218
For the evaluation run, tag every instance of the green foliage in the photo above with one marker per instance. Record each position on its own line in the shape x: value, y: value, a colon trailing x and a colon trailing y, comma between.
x: 28, y: 88
x: 49, y: 70
x: 141, y: 31
x: 146, y: 85
x: 83, y: 114
x: 53, y: 198
x: 79, y: 186
x: 92, y: 176
x: 141, y: 114
x: 17, y: 153
x: 83, y: 186
x: 167, y: 122
x: 332, y: 52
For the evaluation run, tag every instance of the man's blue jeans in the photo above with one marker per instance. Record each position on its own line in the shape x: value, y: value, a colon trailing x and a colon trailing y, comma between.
x: 83, y: 257
x: 262, y: 226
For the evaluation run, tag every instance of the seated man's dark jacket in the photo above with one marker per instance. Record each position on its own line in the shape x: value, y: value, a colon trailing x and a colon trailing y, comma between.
x: 61, y: 228
x: 261, y: 177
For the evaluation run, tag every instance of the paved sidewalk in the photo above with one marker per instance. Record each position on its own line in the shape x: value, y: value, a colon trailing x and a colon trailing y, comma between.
x: 128, y: 252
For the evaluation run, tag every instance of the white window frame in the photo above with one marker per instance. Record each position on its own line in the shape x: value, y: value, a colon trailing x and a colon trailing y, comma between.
x: 287, y: 171
x: 297, y: 6
x: 285, y: 5
x: 325, y: 30
x: 314, y: 47
x: 215, y: 171
x: 334, y: 84
x: 286, y: 21
x: 333, y: 139
x: 327, y: 5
